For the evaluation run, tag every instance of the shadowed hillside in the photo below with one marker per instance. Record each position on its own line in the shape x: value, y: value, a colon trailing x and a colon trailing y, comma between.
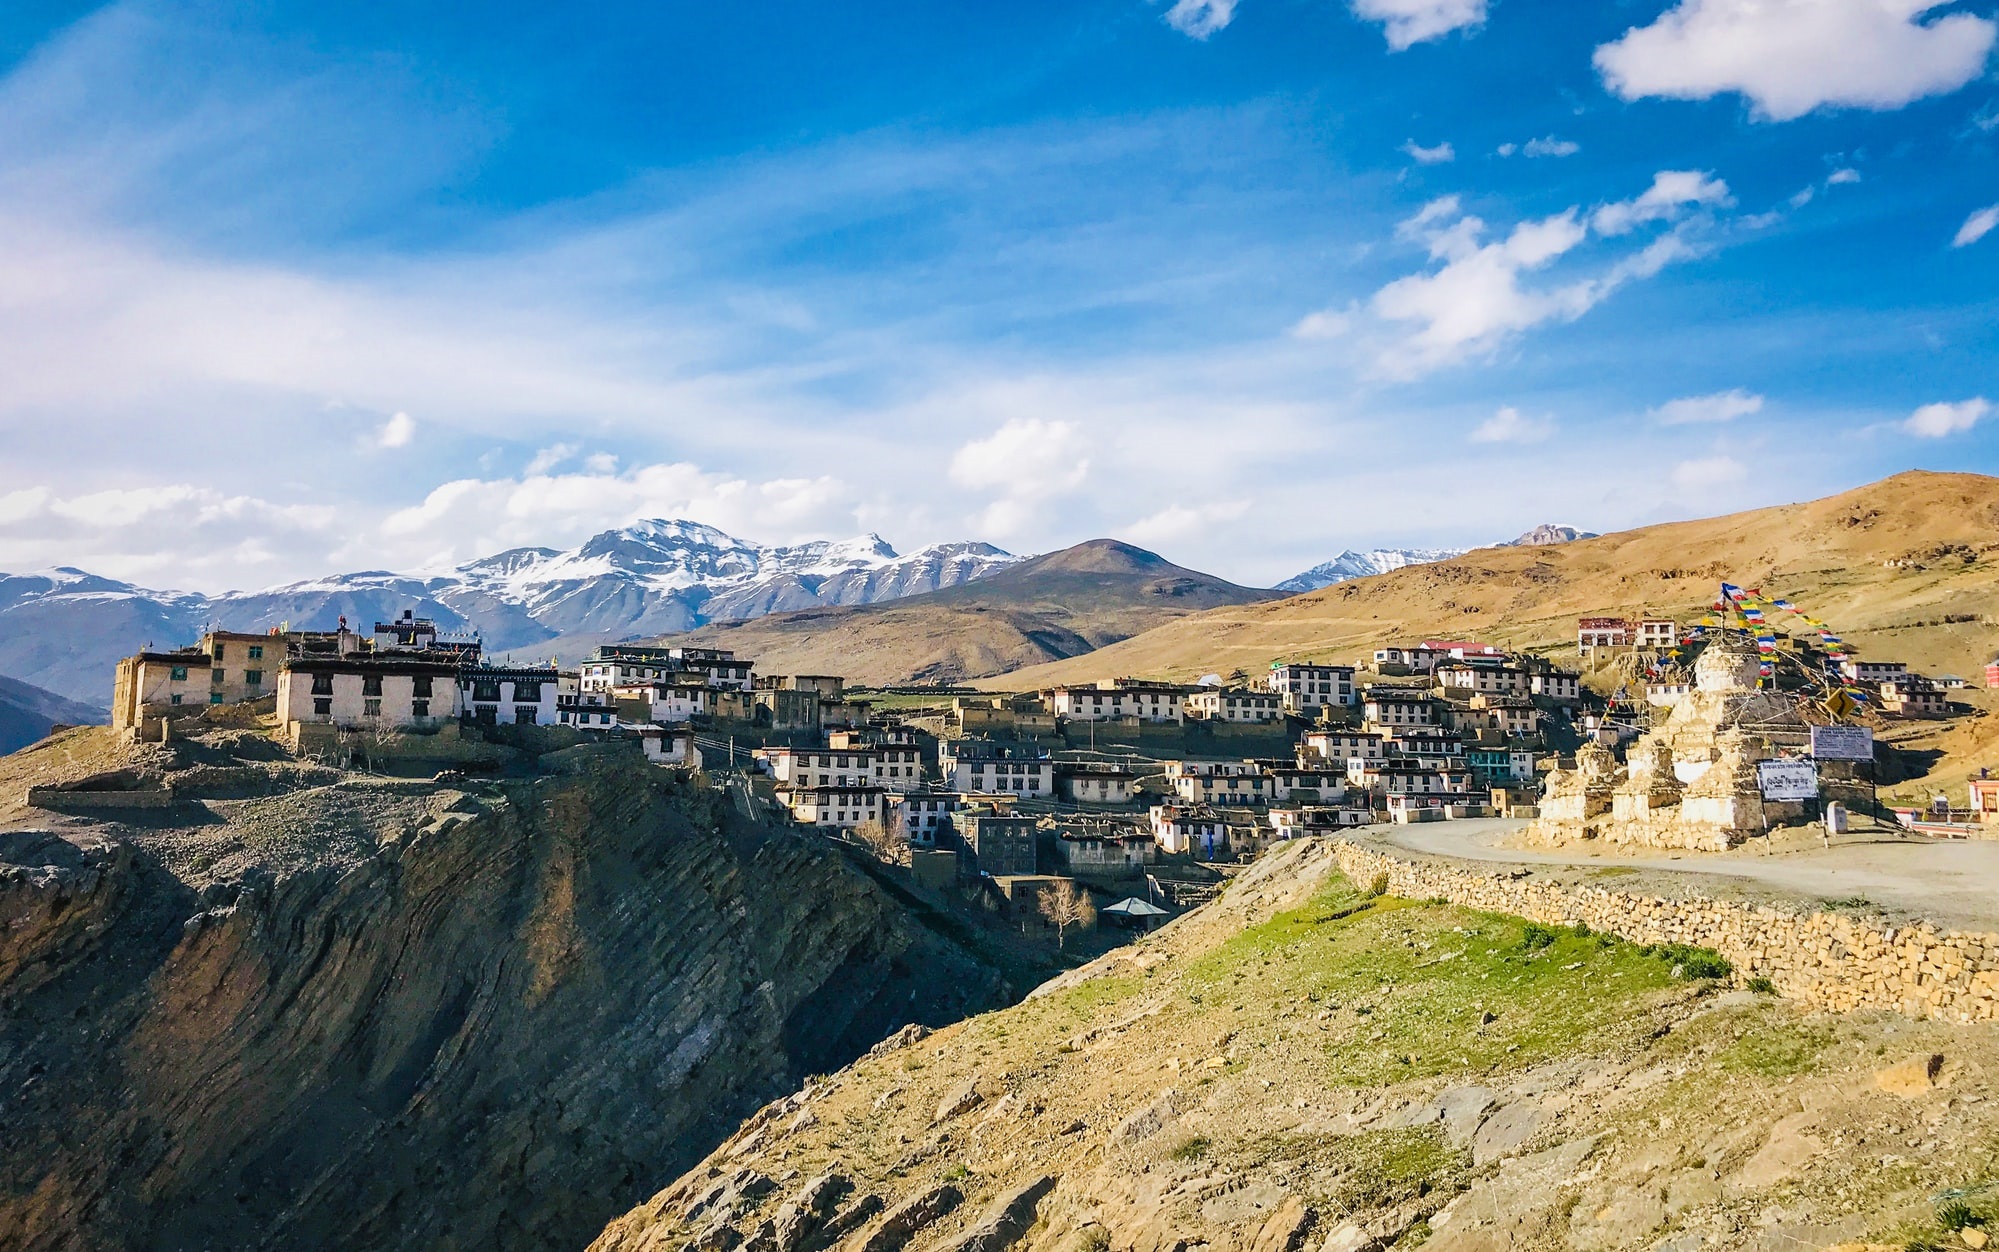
x: 1060, y: 605
x: 1907, y: 567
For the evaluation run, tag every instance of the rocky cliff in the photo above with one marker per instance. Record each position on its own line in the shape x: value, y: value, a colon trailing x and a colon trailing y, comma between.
x: 377, y: 1014
x: 1311, y: 1065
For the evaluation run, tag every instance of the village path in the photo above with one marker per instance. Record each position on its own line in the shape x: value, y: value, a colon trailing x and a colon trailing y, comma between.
x: 1877, y: 870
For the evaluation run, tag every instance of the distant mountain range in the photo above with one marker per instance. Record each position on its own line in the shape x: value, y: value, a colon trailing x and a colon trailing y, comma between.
x: 1348, y: 565
x: 27, y: 712
x: 64, y: 629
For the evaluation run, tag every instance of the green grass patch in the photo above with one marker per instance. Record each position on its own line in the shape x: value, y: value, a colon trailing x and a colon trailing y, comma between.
x: 1398, y: 990
x: 1774, y: 1049
x: 1193, y: 1149
x: 1084, y: 999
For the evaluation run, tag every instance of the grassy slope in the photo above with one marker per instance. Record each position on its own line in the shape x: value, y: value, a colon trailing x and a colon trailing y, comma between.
x: 1298, y: 1023
x: 1827, y: 556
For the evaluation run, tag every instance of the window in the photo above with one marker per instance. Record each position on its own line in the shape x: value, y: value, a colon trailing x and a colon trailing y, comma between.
x: 371, y: 706
x: 217, y: 676
x: 419, y: 708
x: 215, y: 697
x: 219, y: 649
x: 256, y: 652
x: 176, y: 698
x: 371, y: 685
x: 486, y: 715
x: 420, y: 686
x: 486, y: 689
x: 322, y: 707
x: 178, y: 673
x: 524, y: 714
x: 322, y: 684
x: 253, y: 677
x: 527, y: 691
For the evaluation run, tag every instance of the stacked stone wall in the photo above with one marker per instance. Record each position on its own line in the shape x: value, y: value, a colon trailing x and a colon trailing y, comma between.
x: 1827, y: 960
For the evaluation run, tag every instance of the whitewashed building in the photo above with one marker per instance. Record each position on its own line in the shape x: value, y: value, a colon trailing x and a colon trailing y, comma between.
x: 1306, y: 689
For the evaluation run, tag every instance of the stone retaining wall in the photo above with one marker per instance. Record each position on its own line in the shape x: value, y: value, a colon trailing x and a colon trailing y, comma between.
x: 1827, y: 960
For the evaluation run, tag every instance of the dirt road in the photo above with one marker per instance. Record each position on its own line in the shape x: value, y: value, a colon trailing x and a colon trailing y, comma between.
x: 1954, y: 883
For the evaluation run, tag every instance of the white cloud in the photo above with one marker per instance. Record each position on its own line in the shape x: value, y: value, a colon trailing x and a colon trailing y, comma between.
x: 1792, y: 56
x: 1183, y: 521
x: 1976, y: 227
x: 1934, y: 421
x: 1842, y: 176
x: 396, y: 432
x: 1672, y: 194
x: 1707, y: 473
x: 548, y: 458
x: 1325, y: 324
x: 1408, y: 22
x: 1429, y: 156
x: 1721, y: 406
x: 1027, y: 462
x: 1478, y: 299
x: 1509, y: 426
x: 1549, y: 146
x: 172, y: 534
x: 1199, y: 19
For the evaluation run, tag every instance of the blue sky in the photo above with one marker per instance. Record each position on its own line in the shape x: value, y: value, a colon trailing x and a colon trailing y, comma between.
x: 286, y: 289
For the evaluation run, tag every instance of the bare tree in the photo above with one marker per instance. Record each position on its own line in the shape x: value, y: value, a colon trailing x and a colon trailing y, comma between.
x: 887, y: 845
x: 1066, y: 905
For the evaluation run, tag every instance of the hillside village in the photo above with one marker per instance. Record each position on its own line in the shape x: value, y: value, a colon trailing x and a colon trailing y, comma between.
x: 1667, y: 733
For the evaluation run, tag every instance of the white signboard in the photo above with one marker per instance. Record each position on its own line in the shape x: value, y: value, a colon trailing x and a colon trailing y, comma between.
x: 1842, y: 743
x: 1788, y: 780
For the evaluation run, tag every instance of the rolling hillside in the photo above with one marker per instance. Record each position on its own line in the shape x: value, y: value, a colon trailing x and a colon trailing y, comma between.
x: 27, y: 712
x: 1907, y: 568
x: 1060, y: 605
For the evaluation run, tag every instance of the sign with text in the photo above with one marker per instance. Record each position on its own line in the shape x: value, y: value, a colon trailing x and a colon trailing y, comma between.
x: 1788, y: 780
x: 1842, y: 743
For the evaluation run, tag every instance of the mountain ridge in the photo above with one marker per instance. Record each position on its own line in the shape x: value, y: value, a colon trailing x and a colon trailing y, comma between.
x: 1906, y: 566
x: 64, y: 628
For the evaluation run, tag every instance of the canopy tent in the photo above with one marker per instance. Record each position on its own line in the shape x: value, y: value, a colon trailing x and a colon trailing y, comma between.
x: 1132, y: 906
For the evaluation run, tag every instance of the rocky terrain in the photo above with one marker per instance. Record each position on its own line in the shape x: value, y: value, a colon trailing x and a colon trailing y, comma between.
x: 1308, y: 1064
x: 302, y: 1008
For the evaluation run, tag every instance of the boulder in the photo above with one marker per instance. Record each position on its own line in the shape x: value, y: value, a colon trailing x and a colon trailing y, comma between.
x: 1006, y: 1221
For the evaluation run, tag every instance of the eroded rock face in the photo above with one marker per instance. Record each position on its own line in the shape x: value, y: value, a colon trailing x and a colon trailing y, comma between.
x: 500, y: 1030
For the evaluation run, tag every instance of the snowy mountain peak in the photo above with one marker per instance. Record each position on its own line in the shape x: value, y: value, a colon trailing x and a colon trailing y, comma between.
x: 1351, y: 564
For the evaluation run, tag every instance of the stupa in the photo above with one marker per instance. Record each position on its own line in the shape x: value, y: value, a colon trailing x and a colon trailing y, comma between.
x: 1692, y: 780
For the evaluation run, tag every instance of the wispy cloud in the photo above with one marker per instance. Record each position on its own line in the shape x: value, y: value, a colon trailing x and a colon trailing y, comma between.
x: 1508, y: 425
x: 1976, y: 227
x: 396, y: 432
x: 1437, y: 155
x: 1720, y: 406
x: 1480, y: 297
x: 1705, y: 474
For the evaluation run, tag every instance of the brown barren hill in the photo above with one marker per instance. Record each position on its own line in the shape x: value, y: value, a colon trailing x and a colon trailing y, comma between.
x: 1906, y: 568
x: 1059, y: 605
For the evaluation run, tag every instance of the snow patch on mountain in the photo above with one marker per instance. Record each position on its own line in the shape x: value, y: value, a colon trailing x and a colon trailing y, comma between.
x: 1351, y: 564
x: 64, y: 628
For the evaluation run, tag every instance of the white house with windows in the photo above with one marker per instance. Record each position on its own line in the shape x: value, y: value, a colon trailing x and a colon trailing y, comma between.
x: 390, y: 693
x: 668, y: 745
x: 1180, y: 830
x: 819, y: 767
x: 1395, y: 707
x: 918, y: 815
x: 1235, y: 704
x: 1341, y: 746
x: 995, y: 766
x: 1118, y: 698
x: 528, y: 695
x: 840, y: 808
x: 1306, y: 689
x: 1556, y: 684
x: 1483, y: 679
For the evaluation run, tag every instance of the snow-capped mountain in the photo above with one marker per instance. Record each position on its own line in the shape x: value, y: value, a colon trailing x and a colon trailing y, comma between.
x: 1547, y: 533
x: 1352, y: 564
x: 64, y: 629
